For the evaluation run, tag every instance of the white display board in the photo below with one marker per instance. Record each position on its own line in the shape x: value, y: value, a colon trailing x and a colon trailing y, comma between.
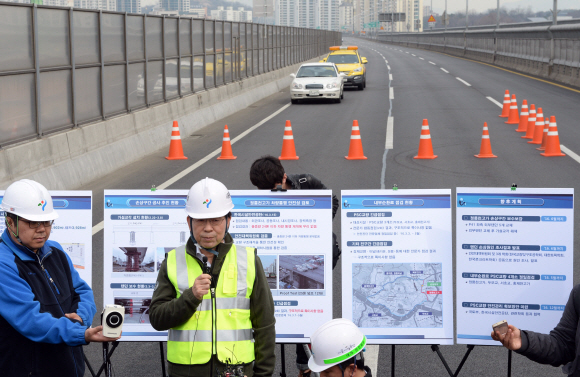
x: 73, y: 228
x: 292, y: 232
x: 514, y: 256
x: 397, y: 279
x: 141, y: 226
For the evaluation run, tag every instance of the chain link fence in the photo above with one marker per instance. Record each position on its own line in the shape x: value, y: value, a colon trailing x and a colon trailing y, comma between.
x: 63, y: 67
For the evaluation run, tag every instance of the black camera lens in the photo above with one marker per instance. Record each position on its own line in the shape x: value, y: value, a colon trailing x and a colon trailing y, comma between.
x: 114, y: 320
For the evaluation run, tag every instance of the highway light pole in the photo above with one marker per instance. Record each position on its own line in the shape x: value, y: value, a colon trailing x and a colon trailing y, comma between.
x: 555, y: 13
x: 497, y: 22
x: 446, y: 15
x: 466, y: 14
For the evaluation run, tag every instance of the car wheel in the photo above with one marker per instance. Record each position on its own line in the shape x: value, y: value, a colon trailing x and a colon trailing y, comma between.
x: 365, y: 82
x: 294, y: 101
x: 338, y: 100
x: 361, y: 86
x: 342, y: 95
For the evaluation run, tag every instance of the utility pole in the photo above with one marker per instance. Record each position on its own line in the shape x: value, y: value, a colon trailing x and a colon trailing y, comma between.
x: 466, y: 14
x: 555, y: 13
x: 497, y: 26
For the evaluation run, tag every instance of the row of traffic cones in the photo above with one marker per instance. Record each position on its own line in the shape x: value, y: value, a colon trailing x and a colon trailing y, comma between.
x: 541, y: 130
x: 355, y: 151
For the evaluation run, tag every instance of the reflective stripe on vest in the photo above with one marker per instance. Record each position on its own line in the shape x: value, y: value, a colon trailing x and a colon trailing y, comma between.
x: 191, y: 342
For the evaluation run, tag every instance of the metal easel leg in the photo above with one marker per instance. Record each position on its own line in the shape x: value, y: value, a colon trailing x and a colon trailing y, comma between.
x: 469, y: 349
x: 283, y: 360
x: 392, y: 360
x: 162, y: 359
x: 435, y: 348
x: 510, y: 363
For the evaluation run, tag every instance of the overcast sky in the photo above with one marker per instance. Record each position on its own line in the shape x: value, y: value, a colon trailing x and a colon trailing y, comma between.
x: 483, y: 5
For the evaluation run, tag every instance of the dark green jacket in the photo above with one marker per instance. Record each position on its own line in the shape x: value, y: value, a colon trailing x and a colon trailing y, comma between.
x: 167, y: 312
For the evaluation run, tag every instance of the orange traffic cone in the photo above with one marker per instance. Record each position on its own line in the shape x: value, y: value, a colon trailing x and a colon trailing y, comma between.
x: 523, y: 126
x: 227, y: 153
x: 288, y: 148
x: 553, y: 142
x: 539, y: 129
x: 425, y: 145
x: 514, y: 118
x: 505, y: 112
x: 531, y: 123
x: 545, y: 136
x: 355, y: 150
x: 485, y: 150
x: 175, y: 147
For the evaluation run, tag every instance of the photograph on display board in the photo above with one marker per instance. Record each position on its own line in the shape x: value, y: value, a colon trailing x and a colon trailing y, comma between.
x: 400, y: 295
x: 301, y: 272
x: 161, y: 253
x: 136, y: 308
x: 133, y: 259
x: 270, y: 265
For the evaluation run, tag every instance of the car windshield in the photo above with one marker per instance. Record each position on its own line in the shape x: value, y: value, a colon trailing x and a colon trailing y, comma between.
x: 343, y: 59
x: 314, y: 71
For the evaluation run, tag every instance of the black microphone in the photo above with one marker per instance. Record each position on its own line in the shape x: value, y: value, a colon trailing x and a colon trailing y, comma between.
x: 206, y: 268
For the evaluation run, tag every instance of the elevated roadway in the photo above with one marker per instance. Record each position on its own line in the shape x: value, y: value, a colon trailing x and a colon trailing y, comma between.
x: 457, y: 96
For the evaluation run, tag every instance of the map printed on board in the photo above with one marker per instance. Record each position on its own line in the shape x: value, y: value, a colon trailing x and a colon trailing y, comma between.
x: 397, y: 265
x: 397, y: 295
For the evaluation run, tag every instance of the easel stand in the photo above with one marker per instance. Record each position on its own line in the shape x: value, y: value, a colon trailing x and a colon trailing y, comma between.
x: 107, y: 366
x: 435, y: 348
x: 282, y: 358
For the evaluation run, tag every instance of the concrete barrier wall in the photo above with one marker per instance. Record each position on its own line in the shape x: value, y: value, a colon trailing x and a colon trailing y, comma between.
x: 552, y: 52
x: 73, y: 158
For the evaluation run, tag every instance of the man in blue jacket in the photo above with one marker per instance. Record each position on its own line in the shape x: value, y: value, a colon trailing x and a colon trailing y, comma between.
x: 46, y: 309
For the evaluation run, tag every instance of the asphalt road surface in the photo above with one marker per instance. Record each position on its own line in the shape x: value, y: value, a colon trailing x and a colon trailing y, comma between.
x: 450, y: 92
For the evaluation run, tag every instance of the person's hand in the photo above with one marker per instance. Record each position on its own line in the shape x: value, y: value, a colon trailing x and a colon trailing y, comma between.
x: 95, y: 334
x: 201, y: 286
x: 74, y: 316
x: 512, y: 340
x: 304, y: 373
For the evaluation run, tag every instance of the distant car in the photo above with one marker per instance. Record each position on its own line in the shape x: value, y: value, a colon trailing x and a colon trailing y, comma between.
x: 317, y: 81
x: 349, y: 62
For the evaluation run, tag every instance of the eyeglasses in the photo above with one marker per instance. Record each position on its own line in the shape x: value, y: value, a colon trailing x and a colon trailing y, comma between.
x: 213, y: 222
x: 36, y: 224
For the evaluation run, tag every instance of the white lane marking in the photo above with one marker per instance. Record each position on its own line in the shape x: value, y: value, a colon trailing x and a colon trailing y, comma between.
x: 463, y: 81
x: 421, y: 58
x: 406, y: 52
x: 494, y: 101
x: 97, y: 228
x: 574, y: 156
x: 444, y: 70
x: 389, y: 139
x: 391, y: 76
x: 388, y: 67
x: 372, y: 358
x: 386, y: 61
x: 391, y: 93
x: 432, y: 63
x: 413, y: 54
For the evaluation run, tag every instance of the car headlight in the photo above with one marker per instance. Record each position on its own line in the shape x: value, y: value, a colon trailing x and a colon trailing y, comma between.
x: 296, y: 85
x: 359, y: 69
x: 331, y: 85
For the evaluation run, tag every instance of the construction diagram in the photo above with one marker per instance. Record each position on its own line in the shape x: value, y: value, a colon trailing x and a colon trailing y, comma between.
x: 146, y: 234
x: 301, y: 271
x: 76, y: 252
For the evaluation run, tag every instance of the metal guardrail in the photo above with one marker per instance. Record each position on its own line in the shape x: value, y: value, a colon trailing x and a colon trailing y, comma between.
x: 506, y: 26
x: 541, y: 49
x: 63, y: 67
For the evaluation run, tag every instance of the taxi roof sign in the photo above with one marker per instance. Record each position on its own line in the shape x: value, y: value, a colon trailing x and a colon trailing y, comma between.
x: 431, y: 19
x: 336, y: 48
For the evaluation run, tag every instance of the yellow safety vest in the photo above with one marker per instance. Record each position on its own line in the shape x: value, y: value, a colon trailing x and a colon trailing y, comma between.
x: 232, y: 338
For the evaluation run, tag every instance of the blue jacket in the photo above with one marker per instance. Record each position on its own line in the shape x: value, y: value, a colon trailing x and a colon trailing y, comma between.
x: 36, y: 339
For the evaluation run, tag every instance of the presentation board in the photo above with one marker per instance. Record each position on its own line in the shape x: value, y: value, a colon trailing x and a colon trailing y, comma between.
x: 141, y: 226
x: 514, y: 258
x: 73, y: 228
x: 397, y: 276
x: 292, y: 232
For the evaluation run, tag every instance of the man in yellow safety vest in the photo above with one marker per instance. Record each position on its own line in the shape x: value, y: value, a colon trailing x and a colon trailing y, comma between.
x: 213, y: 297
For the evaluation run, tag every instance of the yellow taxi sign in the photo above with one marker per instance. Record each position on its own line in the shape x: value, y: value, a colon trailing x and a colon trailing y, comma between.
x: 337, y: 48
x: 431, y: 19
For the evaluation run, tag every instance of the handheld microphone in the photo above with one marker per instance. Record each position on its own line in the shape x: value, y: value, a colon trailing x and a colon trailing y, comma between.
x: 206, y: 268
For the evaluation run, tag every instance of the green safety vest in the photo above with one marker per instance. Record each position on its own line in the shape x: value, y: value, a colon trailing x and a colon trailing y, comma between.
x: 192, y: 342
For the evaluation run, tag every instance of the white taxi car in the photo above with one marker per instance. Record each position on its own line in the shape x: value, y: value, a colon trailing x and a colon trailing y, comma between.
x: 317, y: 81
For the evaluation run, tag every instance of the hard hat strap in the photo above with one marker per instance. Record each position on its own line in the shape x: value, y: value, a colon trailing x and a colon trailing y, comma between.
x: 214, y: 252
x: 17, y: 234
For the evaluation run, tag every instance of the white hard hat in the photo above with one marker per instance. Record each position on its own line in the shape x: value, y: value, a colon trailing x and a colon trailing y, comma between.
x: 30, y: 200
x: 334, y: 342
x: 207, y: 199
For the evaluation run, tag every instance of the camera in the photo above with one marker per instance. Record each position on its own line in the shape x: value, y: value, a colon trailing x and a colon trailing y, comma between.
x: 112, y: 320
